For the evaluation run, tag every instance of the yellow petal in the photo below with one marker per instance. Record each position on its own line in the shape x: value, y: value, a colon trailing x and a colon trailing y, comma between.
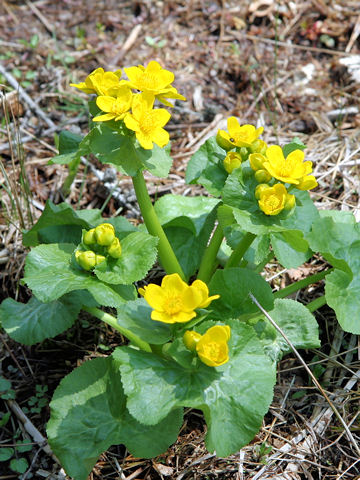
x: 296, y: 156
x: 155, y: 296
x: 233, y: 125
x: 160, y: 137
x: 132, y: 123
x: 145, y: 140
x: 104, y: 118
x: 105, y: 103
x: 275, y: 154
x: 162, y: 317
x: 174, y: 282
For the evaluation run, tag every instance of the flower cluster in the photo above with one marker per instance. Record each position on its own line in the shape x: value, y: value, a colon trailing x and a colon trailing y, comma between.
x: 103, y: 243
x: 175, y: 301
x: 212, y: 347
x: 269, y: 164
x: 115, y: 97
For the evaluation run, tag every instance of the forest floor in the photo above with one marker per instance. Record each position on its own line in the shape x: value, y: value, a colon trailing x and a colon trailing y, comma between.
x: 292, y: 67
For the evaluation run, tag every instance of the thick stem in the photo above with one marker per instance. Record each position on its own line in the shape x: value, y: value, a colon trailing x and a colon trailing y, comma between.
x: 166, y: 253
x: 240, y: 250
x: 316, y: 304
x: 294, y: 287
x: 209, y: 258
x: 112, y: 321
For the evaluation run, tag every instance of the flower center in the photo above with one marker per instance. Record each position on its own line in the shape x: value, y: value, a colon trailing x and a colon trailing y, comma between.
x: 172, y: 304
x: 147, y: 122
x: 212, y: 350
x: 273, y: 202
x: 148, y: 81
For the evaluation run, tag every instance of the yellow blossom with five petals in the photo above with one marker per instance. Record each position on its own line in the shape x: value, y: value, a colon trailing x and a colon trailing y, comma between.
x: 290, y: 169
x: 153, y: 79
x: 115, y: 108
x: 272, y: 199
x: 238, y: 135
x: 100, y: 82
x: 175, y: 301
x: 147, y: 122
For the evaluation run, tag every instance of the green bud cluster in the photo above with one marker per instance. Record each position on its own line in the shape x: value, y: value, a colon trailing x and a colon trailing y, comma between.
x: 102, y: 243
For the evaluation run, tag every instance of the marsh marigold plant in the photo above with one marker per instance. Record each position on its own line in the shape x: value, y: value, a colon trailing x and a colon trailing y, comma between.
x: 192, y: 335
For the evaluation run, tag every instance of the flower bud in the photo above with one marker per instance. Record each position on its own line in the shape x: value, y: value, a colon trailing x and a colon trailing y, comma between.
x: 105, y: 234
x: 256, y: 161
x: 259, y: 189
x: 259, y: 146
x: 114, y: 250
x: 99, y: 259
x: 232, y: 161
x: 89, y: 237
x: 290, y: 202
x: 86, y: 260
x: 190, y: 339
x: 262, y: 176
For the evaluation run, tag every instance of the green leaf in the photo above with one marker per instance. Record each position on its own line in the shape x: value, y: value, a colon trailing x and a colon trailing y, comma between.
x: 5, y: 417
x: 34, y: 321
x: 290, y: 248
x: 188, y: 222
x: 6, y: 391
x: 233, y: 397
x: 111, y: 146
x: 234, y: 285
x: 296, y: 144
x: 6, y: 454
x: 19, y: 465
x: 343, y: 295
x: 60, y: 223
x: 70, y: 148
x: 50, y: 274
x: 206, y: 167
x: 186, y: 212
x: 136, y: 316
x: 339, y: 243
x: 296, y: 321
x: 138, y: 255
x: 239, y: 193
x: 157, y: 160
x: 339, y: 216
x: 88, y: 415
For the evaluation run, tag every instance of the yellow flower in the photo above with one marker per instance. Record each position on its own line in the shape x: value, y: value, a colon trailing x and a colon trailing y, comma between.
x: 175, y: 301
x: 290, y: 169
x: 190, y: 339
x: 238, y: 136
x: 100, y: 82
x: 115, y: 108
x: 232, y: 161
x: 146, y: 122
x: 104, y: 234
x: 307, y: 183
x: 153, y: 79
x: 212, y: 347
x: 272, y: 199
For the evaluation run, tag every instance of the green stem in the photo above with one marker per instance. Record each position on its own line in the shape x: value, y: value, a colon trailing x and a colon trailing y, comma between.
x: 240, y: 250
x: 294, y: 287
x: 112, y: 321
x: 166, y: 253
x: 209, y: 258
x: 316, y: 304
